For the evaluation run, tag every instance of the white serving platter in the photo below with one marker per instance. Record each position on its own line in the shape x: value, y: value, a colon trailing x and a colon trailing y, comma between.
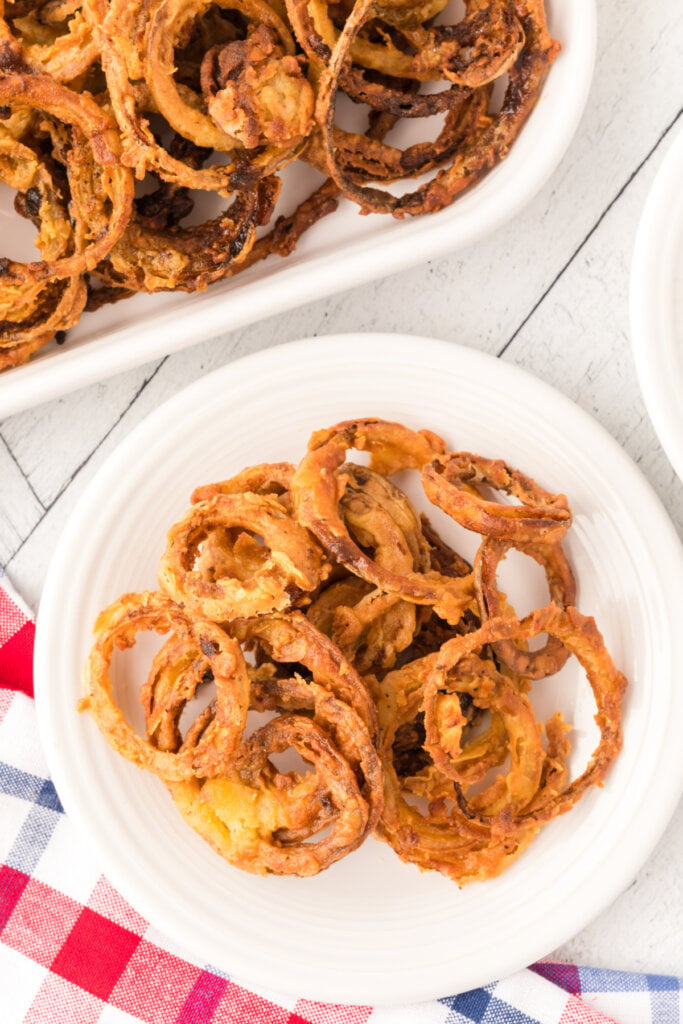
x: 372, y: 930
x: 657, y: 303
x: 342, y: 251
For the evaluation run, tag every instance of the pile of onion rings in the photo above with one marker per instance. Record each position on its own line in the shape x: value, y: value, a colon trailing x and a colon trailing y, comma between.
x: 316, y: 597
x: 117, y: 115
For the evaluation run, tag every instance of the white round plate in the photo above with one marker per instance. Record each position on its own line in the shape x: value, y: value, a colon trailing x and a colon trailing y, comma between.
x: 657, y: 304
x: 371, y: 929
x: 343, y: 251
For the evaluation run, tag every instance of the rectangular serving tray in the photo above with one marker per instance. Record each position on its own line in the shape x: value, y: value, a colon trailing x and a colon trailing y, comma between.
x: 344, y: 250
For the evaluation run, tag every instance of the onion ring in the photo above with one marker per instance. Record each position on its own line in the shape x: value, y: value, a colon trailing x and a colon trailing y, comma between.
x: 444, y: 722
x: 582, y: 638
x: 552, y: 656
x: 450, y: 482
x: 318, y: 487
x: 273, y: 478
x: 294, y: 567
x: 291, y: 639
x: 27, y: 89
x: 348, y: 731
x: 484, y: 148
x: 444, y: 838
x: 117, y: 626
x: 242, y: 815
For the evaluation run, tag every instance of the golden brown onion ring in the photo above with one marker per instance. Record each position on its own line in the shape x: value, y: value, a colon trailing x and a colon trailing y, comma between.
x: 25, y: 89
x: 444, y: 722
x: 364, y: 159
x: 370, y: 627
x: 471, y: 53
x: 294, y: 564
x: 273, y: 478
x: 582, y: 638
x: 256, y: 92
x: 290, y: 639
x: 551, y: 657
x: 139, y: 71
x: 318, y: 488
x: 117, y: 626
x: 167, y: 23
x: 347, y: 730
x: 442, y: 837
x: 31, y: 313
x: 452, y: 483
x: 483, y: 149
x: 189, y: 258
x: 247, y: 815
x: 58, y: 39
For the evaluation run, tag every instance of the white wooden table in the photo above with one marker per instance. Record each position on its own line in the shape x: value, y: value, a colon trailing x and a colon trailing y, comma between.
x: 549, y: 292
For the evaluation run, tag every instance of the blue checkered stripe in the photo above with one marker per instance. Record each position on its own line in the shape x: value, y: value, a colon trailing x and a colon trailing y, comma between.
x: 666, y: 1001
x: 41, y: 820
x: 483, y: 1007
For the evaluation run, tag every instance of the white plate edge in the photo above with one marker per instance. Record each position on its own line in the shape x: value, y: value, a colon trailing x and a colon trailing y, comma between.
x: 621, y: 876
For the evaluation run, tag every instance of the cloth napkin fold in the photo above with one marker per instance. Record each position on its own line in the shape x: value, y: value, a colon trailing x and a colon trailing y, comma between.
x: 73, y: 951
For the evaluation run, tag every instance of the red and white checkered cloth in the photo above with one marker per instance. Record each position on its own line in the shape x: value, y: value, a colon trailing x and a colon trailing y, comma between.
x: 72, y: 951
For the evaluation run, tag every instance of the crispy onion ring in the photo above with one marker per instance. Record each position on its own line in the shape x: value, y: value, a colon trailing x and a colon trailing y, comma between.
x: 247, y: 815
x: 273, y: 478
x: 32, y: 313
x: 180, y: 667
x: 370, y: 626
x: 479, y: 49
x: 57, y: 37
x: 349, y: 733
x: 189, y: 258
x: 292, y: 566
x: 442, y: 837
x: 25, y: 89
x: 290, y: 639
x: 483, y: 148
x: 138, y: 65
x: 117, y: 626
x: 444, y: 721
x: 256, y: 91
x: 552, y: 656
x: 364, y: 159
x: 271, y: 816
x: 167, y: 24
x: 582, y: 638
x: 451, y: 482
x: 318, y: 486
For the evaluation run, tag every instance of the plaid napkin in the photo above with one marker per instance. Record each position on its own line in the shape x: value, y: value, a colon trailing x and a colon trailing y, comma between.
x: 72, y: 951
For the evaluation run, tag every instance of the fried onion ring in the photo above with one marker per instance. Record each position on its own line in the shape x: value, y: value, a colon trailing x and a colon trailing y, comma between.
x: 319, y: 484
x: 581, y: 637
x: 451, y: 482
x: 348, y: 731
x: 294, y: 564
x: 269, y: 478
x: 25, y: 89
x: 482, y: 149
x: 291, y: 639
x: 552, y: 656
x: 117, y: 626
x: 247, y: 814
